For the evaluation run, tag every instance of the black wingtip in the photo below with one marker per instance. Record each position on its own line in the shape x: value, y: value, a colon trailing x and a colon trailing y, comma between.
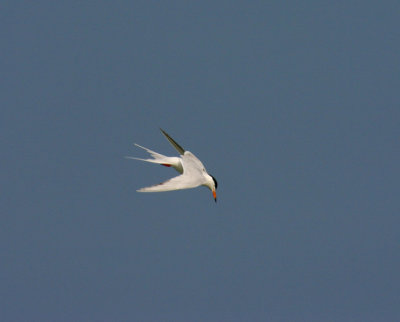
x: 173, y: 142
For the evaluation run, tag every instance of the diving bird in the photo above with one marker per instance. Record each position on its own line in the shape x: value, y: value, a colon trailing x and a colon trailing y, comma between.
x: 193, y: 172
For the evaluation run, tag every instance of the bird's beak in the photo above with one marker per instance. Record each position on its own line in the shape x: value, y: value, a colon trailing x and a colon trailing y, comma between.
x: 215, y: 195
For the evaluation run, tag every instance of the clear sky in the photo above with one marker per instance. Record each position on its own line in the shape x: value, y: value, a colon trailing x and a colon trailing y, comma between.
x: 292, y: 105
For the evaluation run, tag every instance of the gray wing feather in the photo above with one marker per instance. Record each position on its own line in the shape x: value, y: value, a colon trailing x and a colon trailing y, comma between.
x: 172, y: 141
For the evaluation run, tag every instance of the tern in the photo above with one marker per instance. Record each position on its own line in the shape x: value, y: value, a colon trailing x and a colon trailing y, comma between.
x: 193, y: 172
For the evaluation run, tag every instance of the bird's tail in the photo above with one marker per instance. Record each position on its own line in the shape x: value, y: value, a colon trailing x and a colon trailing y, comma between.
x: 160, y: 159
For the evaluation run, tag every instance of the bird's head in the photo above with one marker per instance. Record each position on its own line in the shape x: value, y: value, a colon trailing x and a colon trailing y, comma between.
x: 213, y: 185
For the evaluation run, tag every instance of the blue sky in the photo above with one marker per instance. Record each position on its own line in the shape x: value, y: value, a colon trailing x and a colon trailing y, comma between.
x: 292, y: 106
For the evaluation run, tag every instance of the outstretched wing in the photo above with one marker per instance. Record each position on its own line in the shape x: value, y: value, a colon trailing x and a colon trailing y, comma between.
x: 191, y: 178
x: 172, y: 141
x: 176, y: 183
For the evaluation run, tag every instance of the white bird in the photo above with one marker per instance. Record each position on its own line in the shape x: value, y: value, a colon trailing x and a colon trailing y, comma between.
x: 193, y: 172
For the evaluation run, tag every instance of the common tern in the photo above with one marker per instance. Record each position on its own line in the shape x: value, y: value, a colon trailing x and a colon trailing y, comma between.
x: 193, y: 172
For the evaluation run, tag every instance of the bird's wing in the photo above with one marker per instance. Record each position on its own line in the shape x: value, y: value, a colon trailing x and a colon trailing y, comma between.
x: 192, y: 176
x: 176, y: 183
x: 172, y: 141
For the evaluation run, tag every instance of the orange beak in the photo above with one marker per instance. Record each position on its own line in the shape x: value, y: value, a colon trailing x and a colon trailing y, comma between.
x: 215, y: 195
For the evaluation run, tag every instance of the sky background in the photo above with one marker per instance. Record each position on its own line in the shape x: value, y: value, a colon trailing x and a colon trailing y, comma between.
x: 292, y: 105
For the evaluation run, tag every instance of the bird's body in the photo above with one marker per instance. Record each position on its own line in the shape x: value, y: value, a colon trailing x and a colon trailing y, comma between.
x: 193, y: 172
